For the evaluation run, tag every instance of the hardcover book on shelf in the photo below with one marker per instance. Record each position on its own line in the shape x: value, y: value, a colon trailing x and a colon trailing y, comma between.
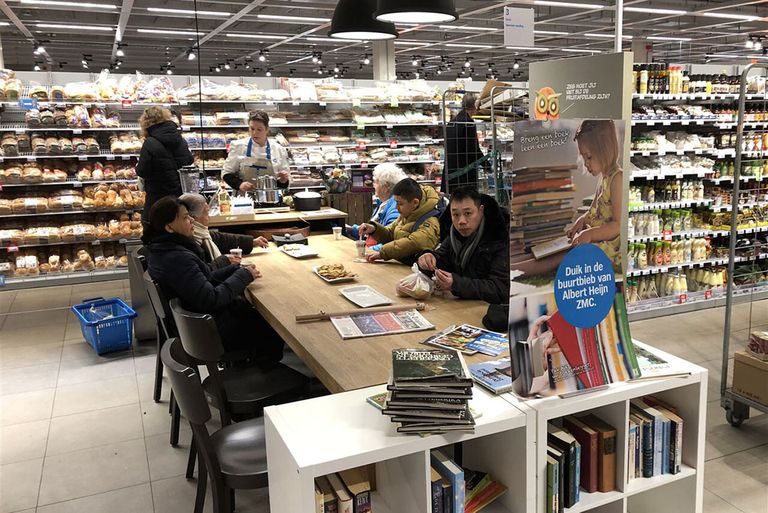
x: 469, y: 339
x: 656, y: 449
x: 330, y: 504
x: 676, y: 425
x: 453, y: 473
x: 606, y: 452
x: 480, y: 490
x: 359, y: 487
x: 558, y: 456
x: 319, y: 500
x: 436, y: 484
x: 552, y: 484
x: 588, y: 439
x: 343, y: 498
x: 567, y: 444
x: 495, y: 376
x: 644, y: 462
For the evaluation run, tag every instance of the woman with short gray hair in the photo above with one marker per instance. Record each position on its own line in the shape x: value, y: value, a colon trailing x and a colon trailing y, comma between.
x: 385, y: 177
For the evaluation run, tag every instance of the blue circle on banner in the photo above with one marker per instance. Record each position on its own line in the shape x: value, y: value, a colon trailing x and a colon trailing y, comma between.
x: 585, y: 285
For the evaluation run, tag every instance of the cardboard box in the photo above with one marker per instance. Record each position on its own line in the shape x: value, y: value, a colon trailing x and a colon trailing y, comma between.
x: 750, y: 377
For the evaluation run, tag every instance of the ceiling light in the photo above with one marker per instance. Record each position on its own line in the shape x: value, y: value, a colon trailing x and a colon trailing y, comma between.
x: 516, y: 65
x: 605, y: 36
x: 353, y: 20
x: 262, y: 57
x: 467, y: 63
x: 269, y: 73
x: 191, y: 56
x: 748, y: 44
x: 415, y: 61
x: 74, y: 27
x: 466, y: 45
x: 170, y: 32
x: 367, y: 60
x: 336, y: 69
x: 653, y: 10
x: 467, y: 27
x: 119, y: 63
x: 40, y: 49
x: 169, y: 71
x: 227, y: 66
x: 256, y: 36
x: 187, y: 11
x: 120, y: 52
x: 416, y: 11
x: 37, y: 67
x: 665, y: 38
x: 551, y: 32
x: 570, y: 5
x: 579, y: 50
x: 745, y: 17
x: 218, y: 69
x: 291, y: 18
x: 69, y: 4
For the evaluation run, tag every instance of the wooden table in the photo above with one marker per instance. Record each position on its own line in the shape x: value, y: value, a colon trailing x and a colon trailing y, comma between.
x: 289, y: 287
x: 274, y: 216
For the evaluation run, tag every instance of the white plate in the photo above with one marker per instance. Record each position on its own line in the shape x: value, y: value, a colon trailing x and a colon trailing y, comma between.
x: 365, y: 296
x: 334, y: 280
x: 299, y: 251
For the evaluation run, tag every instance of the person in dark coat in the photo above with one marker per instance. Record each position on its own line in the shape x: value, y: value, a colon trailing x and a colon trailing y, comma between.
x: 176, y: 264
x: 461, y: 146
x: 163, y: 153
x: 473, y: 260
x: 216, y: 245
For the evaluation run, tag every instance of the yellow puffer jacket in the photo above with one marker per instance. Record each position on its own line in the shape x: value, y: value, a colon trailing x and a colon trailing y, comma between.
x: 400, y: 242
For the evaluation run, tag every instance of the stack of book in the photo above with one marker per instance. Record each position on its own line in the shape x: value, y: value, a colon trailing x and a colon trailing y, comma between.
x: 655, y: 438
x: 348, y: 491
x: 460, y: 490
x: 580, y: 455
x: 429, y: 391
x: 542, y: 208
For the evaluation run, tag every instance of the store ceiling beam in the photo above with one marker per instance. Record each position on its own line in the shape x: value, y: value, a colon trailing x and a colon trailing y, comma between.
x: 22, y: 28
x: 122, y: 23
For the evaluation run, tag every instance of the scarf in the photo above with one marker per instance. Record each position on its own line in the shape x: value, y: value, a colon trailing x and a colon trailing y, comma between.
x: 203, y: 237
x: 464, y: 248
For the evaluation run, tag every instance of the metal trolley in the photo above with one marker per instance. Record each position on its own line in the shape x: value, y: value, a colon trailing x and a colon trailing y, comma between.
x: 737, y: 405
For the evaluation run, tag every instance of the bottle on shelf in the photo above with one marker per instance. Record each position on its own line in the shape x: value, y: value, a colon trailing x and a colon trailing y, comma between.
x: 685, y: 83
x: 643, y: 80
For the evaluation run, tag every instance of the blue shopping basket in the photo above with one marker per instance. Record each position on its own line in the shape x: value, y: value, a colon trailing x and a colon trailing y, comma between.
x: 107, y: 324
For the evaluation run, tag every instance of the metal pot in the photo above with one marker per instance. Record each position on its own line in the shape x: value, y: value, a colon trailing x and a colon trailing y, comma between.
x: 267, y: 196
x: 306, y: 201
x: 266, y: 182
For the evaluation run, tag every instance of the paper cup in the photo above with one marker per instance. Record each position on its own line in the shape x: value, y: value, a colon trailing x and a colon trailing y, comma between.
x: 360, y: 247
x: 237, y: 252
x: 337, y: 232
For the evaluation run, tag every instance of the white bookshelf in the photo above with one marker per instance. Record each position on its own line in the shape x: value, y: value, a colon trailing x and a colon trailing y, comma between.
x: 309, y: 439
x: 313, y: 438
x: 678, y: 493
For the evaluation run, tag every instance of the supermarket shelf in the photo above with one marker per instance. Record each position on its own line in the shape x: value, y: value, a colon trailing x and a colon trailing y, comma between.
x: 728, y: 208
x: 140, y: 104
x: 643, y: 484
x: 645, y: 207
x: 684, y: 235
x: 670, y: 122
x: 187, y: 128
x: 336, y: 145
x: 650, y: 309
x: 730, y: 179
x: 97, y: 242
x: 350, y: 165
x: 697, y: 151
x: 661, y: 174
x: 48, y: 280
x: 697, y: 96
x: 80, y: 156
x: 73, y: 183
x: 21, y: 128
x: 672, y: 267
x: 72, y: 212
x: 741, y: 231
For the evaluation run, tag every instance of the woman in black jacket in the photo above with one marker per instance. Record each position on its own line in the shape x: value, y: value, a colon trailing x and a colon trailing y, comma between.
x: 176, y: 264
x: 163, y: 153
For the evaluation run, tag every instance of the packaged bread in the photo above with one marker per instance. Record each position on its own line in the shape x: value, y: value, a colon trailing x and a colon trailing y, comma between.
x: 31, y: 205
x: 78, y: 145
x: 102, y: 232
x: 52, y: 145
x: 13, y: 89
x: 65, y: 145
x: 46, y: 116
x: 13, y: 174
x: 32, y: 118
x: 109, y: 172
x: 24, y: 142
x: 11, y: 236
x: 31, y: 173
x: 38, y: 92
x: 10, y: 145
x: 57, y: 93
x: 85, y: 173
x: 54, y: 263
x: 92, y: 145
x: 66, y: 200
x: 38, y: 145
x: 42, y: 235
x: 59, y: 116
x: 26, y: 265
x: 78, y: 232
x: 83, y: 261
x: 98, y: 117
x: 83, y: 91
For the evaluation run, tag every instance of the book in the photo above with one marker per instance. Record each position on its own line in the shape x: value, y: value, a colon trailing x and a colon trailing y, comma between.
x: 455, y: 474
x: 429, y: 413
x: 675, y: 441
x: 474, y: 482
x: 377, y: 400
x: 574, y: 346
x: 566, y: 443
x: 631, y: 434
x: 625, y: 335
x: 655, y: 367
x: 495, y: 376
x: 645, y: 424
x: 606, y: 449
x: 359, y: 487
x: 657, y: 425
x: 384, y: 323
x: 329, y: 497
x: 463, y: 418
x: 343, y: 498
x: 427, y: 403
x: 551, y: 247
x: 485, y: 496
x: 447, y: 495
x: 558, y: 455
x: 319, y: 499
x: 437, y: 490
x: 587, y: 437
x: 552, y: 484
x: 470, y: 339
x: 608, y: 336
x: 428, y: 365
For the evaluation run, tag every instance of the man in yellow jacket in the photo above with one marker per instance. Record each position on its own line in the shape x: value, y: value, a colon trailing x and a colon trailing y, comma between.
x: 415, y: 231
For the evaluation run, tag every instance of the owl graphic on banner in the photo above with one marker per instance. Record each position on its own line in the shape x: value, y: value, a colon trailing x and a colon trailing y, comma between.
x: 547, y: 104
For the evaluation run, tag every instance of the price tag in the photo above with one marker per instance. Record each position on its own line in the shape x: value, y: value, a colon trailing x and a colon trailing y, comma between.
x: 390, y: 126
x: 356, y: 102
x: 126, y: 104
x: 361, y: 145
x: 20, y: 131
x: 682, y: 298
x: 77, y: 131
x: 96, y: 243
x: 13, y: 249
x: 667, y: 235
x: 422, y: 145
x: 110, y: 157
x: 360, y: 125
x: 123, y: 241
x: 699, y: 122
x: 646, y: 154
x: 364, y: 164
x: 662, y: 152
x: 666, y: 123
x: 28, y: 103
x: 82, y: 158
x: 269, y: 102
x: 394, y: 102
x: 393, y: 143
x: 323, y: 104
x: 296, y: 103
x: 183, y: 102
x: 125, y: 157
x: 185, y: 128
x: 651, y: 123
x: 77, y: 184
x: 31, y: 159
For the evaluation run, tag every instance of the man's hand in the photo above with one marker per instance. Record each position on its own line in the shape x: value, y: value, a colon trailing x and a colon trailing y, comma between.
x: 443, y: 279
x: 254, y: 272
x: 234, y: 259
x: 373, y: 256
x: 283, y: 176
x: 246, y: 186
x: 427, y: 262
x: 261, y: 242
x: 366, y: 229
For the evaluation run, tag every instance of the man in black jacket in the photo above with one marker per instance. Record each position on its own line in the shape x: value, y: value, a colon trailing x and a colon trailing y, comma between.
x: 473, y: 260
x: 163, y: 153
x: 176, y: 263
x: 461, y: 146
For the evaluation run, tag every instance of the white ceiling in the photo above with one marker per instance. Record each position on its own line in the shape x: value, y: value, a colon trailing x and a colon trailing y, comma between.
x: 236, y: 30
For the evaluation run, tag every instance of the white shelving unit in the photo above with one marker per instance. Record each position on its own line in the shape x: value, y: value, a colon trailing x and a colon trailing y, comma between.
x: 679, y: 493
x: 313, y: 438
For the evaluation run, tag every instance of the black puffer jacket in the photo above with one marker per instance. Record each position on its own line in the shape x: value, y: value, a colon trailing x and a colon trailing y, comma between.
x: 487, y: 274
x: 226, y: 242
x: 163, y: 153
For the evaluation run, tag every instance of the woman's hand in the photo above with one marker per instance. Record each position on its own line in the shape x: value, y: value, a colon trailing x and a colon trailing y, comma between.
x: 234, y: 259
x: 254, y: 272
x: 584, y: 237
x: 427, y: 262
x: 576, y: 228
x: 261, y: 242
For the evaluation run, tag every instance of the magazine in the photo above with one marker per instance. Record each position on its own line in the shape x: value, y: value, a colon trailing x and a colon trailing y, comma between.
x: 469, y: 339
x: 654, y: 367
x: 496, y: 375
x: 383, y: 323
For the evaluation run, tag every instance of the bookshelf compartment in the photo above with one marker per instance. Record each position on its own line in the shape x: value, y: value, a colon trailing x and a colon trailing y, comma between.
x: 678, y: 496
x: 402, y: 484
x: 594, y: 501
x: 641, y: 484
x: 612, y: 507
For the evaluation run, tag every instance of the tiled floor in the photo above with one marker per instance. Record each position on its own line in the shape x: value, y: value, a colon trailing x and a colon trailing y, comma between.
x: 80, y: 433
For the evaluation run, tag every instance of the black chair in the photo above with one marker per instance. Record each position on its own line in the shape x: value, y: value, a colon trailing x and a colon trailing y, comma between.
x: 234, y: 390
x: 165, y: 327
x: 235, y: 457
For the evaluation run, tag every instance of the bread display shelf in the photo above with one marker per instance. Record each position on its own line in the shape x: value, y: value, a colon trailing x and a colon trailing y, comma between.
x: 97, y: 242
x: 73, y: 183
x: 274, y: 126
x: 21, y: 128
x: 71, y: 212
x: 60, y: 278
x: 697, y: 96
x: 345, y: 145
x: 80, y: 156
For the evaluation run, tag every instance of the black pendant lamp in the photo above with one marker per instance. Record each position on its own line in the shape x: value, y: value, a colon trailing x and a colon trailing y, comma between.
x: 354, y: 20
x: 416, y: 11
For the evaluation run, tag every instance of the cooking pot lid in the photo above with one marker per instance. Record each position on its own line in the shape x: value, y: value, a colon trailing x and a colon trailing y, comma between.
x: 307, y: 195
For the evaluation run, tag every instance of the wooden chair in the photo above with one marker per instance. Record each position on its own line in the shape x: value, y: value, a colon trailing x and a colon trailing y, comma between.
x: 235, y: 457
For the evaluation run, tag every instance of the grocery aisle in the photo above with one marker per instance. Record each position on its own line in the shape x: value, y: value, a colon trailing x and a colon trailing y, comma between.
x: 80, y: 433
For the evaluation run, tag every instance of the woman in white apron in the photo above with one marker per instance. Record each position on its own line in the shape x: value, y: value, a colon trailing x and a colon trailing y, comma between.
x: 256, y: 156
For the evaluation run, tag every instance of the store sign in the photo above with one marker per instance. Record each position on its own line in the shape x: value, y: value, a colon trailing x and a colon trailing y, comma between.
x: 28, y: 103
x: 518, y: 26
x: 582, y: 87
